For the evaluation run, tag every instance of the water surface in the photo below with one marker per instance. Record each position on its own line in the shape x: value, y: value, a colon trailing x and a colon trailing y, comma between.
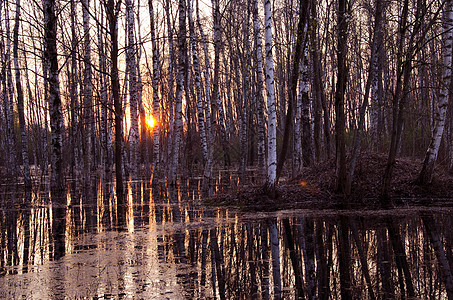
x: 172, y: 246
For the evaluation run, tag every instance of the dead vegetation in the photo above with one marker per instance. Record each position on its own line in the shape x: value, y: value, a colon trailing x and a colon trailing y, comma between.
x: 314, y: 187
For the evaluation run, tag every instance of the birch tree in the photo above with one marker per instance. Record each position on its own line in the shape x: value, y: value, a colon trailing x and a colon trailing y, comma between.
x: 426, y: 174
x: 197, y: 80
x: 20, y: 100
x: 272, y: 120
x: 207, y: 106
x: 155, y: 85
x: 133, y: 89
x: 177, y: 127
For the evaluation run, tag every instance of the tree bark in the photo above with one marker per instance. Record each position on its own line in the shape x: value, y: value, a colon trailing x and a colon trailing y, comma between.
x: 155, y: 85
x: 133, y: 88
x: 179, y: 92
x: 112, y: 16
x: 272, y: 120
x: 54, y: 99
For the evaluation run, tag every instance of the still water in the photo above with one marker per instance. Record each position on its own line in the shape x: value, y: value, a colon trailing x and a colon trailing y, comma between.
x: 173, y: 246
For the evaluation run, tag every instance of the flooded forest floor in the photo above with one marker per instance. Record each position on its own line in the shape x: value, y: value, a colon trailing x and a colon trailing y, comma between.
x: 314, y: 188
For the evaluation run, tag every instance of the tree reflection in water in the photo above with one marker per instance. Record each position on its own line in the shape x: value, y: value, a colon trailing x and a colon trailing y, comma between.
x: 165, y: 243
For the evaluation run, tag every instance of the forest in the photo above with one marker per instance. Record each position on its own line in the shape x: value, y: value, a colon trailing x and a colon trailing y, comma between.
x: 183, y: 149
x: 183, y: 88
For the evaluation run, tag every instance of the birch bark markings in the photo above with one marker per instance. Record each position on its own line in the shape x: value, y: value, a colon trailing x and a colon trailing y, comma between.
x: 133, y: 88
x: 426, y: 174
x: 179, y: 92
x: 155, y: 84
x: 272, y: 120
x: 207, y: 105
x: 197, y: 80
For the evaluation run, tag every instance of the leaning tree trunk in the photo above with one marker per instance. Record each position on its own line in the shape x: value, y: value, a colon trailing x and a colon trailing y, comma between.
x: 20, y: 100
x: 54, y: 99
x: 272, y: 120
x: 426, y: 174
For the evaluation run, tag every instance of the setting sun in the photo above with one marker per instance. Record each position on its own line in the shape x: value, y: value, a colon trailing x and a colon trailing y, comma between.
x: 151, y: 122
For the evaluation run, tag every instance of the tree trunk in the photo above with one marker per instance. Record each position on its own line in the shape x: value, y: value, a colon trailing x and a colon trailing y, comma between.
x: 217, y: 102
x: 87, y: 91
x: 261, y: 151
x: 112, y: 16
x: 272, y: 119
x: 207, y: 108
x: 20, y: 101
x: 298, y: 52
x: 133, y: 91
x: 197, y: 79
x: 8, y: 100
x: 54, y: 99
x: 179, y: 92
x: 343, y: 11
x: 155, y: 84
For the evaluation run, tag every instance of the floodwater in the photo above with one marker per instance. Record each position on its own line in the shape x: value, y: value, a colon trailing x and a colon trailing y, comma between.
x: 173, y: 246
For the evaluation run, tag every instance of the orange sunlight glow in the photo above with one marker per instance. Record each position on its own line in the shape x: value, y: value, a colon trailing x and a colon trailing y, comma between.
x: 151, y: 122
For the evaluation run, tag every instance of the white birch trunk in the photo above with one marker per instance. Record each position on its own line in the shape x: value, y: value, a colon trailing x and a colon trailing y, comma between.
x: 179, y: 92
x: 272, y: 121
x: 426, y: 173
x: 133, y: 91
x: 261, y: 130
x: 155, y: 84
x: 197, y: 80
x: 207, y: 106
